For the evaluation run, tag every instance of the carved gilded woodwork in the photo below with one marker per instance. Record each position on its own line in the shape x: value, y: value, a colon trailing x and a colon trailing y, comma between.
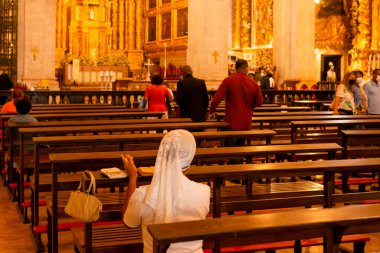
x: 262, y: 57
x: 263, y: 16
x: 361, y: 30
x: 163, y: 25
x: 331, y: 26
x: 331, y: 33
x: 245, y: 24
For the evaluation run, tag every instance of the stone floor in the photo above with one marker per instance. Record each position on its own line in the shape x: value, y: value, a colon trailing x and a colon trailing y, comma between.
x: 16, y: 238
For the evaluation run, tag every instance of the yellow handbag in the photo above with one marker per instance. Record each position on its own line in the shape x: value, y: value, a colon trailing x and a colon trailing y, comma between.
x: 82, y: 205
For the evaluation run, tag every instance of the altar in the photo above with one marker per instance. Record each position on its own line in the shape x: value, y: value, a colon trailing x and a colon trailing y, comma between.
x: 93, y: 77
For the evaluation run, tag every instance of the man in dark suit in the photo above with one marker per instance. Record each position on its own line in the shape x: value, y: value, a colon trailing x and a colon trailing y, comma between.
x: 192, y: 97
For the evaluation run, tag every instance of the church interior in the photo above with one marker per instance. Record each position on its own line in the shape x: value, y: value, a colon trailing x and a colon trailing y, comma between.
x: 85, y: 65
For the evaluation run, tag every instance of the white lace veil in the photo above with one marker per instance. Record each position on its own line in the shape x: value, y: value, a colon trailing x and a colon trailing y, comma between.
x: 176, y: 151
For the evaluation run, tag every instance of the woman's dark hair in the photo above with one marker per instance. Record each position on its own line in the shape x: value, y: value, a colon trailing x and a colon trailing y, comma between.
x: 23, y: 106
x: 17, y: 95
x: 269, y: 75
x: 157, y: 80
x: 5, y: 82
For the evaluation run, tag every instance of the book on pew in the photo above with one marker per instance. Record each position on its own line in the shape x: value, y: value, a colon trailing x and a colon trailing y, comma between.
x: 113, y: 173
x: 146, y: 171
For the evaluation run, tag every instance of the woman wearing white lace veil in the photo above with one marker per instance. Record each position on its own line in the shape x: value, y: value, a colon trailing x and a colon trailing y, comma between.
x: 171, y: 196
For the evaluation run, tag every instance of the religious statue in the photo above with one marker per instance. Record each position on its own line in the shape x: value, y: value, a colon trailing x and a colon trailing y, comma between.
x: 92, y: 14
x: 331, y: 75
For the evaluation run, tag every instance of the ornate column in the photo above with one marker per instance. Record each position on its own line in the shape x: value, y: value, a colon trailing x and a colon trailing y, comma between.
x: 208, y: 28
x: 294, y: 40
x: 121, y: 24
x: 131, y: 25
x: 59, y: 24
x: 362, y: 37
x: 375, y: 24
x: 114, y: 24
x: 126, y: 11
x: 236, y: 24
x: 139, y: 18
x: 36, y: 41
x: 245, y: 24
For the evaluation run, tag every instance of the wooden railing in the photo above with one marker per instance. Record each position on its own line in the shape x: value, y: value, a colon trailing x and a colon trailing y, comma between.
x: 129, y: 98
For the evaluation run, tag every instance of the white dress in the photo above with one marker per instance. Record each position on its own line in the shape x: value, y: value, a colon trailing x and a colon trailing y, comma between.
x: 195, y: 203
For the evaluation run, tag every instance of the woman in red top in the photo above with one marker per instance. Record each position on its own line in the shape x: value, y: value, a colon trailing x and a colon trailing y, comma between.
x: 11, y: 105
x: 156, y: 95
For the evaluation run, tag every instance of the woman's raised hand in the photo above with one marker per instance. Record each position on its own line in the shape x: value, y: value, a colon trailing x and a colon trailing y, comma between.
x: 129, y: 165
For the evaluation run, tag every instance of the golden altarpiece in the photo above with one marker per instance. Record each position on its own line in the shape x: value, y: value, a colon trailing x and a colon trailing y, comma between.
x: 107, y: 33
x: 103, y: 40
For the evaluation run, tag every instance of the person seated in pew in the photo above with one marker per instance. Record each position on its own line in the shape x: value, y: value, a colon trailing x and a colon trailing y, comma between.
x: 10, y: 106
x: 23, y: 107
x: 171, y: 196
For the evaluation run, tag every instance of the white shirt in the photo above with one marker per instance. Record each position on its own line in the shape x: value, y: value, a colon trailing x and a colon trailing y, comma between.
x: 271, y: 82
x: 195, y: 204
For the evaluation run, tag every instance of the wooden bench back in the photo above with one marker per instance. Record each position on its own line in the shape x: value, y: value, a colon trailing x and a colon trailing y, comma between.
x: 297, y: 224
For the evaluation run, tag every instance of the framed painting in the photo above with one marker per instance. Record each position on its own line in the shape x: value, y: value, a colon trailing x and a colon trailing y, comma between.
x: 152, y: 4
x: 166, y: 26
x: 152, y: 29
x: 182, y: 23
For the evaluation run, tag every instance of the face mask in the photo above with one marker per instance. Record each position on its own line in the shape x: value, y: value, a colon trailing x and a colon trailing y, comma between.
x: 359, y: 80
x: 262, y: 74
x: 351, y: 81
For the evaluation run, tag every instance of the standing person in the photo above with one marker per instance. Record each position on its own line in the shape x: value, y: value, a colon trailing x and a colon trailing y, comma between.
x: 156, y: 95
x: 192, y: 97
x: 264, y: 83
x: 360, y: 97
x: 5, y: 84
x: 272, y: 85
x: 242, y: 95
x: 11, y: 105
x: 171, y: 196
x: 344, y: 99
x: 372, y: 91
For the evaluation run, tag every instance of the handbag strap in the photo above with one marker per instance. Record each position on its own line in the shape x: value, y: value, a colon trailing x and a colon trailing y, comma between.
x: 82, y: 182
x: 92, y: 183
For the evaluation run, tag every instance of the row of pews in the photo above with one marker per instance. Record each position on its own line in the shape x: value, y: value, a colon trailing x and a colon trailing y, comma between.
x: 43, y: 158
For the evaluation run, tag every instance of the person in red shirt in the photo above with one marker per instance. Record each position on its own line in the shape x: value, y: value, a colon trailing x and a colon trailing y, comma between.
x: 11, y: 105
x: 242, y: 94
x: 156, y: 95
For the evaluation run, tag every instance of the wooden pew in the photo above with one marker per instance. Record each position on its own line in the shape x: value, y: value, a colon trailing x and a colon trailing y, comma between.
x: 220, y: 115
x: 61, y: 161
x: 80, y: 116
x: 287, y: 119
x: 298, y: 126
x: 359, y: 144
x: 277, y: 109
x: 327, y: 168
x: 36, y: 107
x: 121, y: 142
x: 77, y: 106
x: 104, y: 122
x: 331, y: 224
x: 317, y: 104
